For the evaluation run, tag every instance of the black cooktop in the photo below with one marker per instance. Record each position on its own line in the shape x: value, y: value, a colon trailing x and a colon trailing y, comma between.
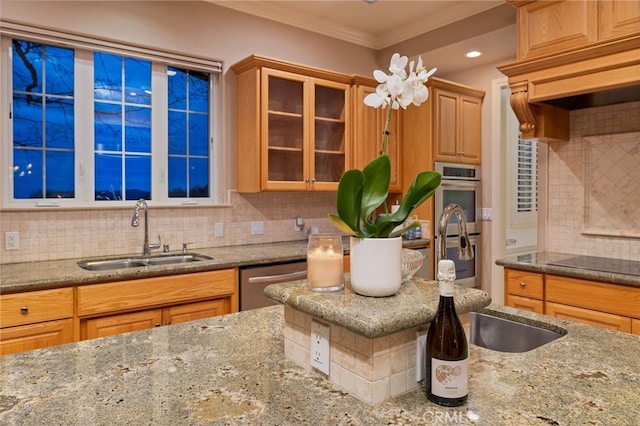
x: 601, y: 264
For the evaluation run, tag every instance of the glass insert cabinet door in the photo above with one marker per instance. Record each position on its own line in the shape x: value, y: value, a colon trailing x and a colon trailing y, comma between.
x: 304, y: 132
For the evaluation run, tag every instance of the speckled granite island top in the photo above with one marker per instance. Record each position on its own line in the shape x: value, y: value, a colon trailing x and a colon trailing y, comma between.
x: 231, y: 370
x: 415, y: 304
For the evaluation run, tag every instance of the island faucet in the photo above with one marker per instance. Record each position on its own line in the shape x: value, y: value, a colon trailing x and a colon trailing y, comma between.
x: 135, y: 221
x: 465, y: 252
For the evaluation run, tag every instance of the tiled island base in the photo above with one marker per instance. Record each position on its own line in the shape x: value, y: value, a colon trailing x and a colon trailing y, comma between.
x: 373, y: 370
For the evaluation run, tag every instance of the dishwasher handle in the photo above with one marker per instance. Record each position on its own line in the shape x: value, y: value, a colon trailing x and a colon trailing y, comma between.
x: 272, y: 279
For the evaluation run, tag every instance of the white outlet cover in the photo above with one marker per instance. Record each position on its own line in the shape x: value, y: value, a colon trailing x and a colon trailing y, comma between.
x: 12, y: 240
x: 320, y: 347
x: 257, y: 228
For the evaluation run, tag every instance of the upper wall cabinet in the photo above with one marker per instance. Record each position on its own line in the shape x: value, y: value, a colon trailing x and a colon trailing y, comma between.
x: 570, y: 52
x: 292, y: 126
x: 368, y: 131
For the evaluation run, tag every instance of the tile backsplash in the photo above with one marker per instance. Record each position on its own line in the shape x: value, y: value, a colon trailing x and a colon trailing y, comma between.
x: 47, y: 235
x: 593, y: 195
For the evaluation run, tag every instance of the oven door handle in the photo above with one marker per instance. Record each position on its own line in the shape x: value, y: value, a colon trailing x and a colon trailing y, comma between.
x: 271, y: 279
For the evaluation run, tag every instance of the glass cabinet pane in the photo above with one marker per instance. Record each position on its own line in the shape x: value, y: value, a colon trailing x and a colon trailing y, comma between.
x: 329, y: 133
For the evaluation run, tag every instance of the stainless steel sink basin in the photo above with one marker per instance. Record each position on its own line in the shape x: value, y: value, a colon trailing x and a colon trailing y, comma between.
x: 508, y: 335
x: 137, y: 262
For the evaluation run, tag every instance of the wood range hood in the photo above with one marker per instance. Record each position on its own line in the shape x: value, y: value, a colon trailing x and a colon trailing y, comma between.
x: 591, y: 59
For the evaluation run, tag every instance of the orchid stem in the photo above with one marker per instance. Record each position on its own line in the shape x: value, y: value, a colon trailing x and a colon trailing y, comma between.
x: 386, y: 133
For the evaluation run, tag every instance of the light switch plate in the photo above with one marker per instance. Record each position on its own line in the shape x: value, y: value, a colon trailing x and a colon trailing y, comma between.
x: 257, y: 227
x: 219, y: 229
x: 320, y: 338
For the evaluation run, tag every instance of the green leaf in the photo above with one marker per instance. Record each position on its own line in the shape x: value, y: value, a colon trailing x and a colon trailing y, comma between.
x: 376, y: 185
x: 349, y: 199
x: 339, y: 223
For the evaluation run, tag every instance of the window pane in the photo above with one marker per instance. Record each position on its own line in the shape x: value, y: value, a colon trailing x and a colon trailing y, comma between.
x: 138, y: 129
x: 198, y: 134
x: 108, y: 127
x: 27, y: 66
x: 27, y: 121
x: 60, y: 123
x: 177, y: 177
x: 108, y: 175
x: 60, y: 174
x: 27, y: 173
x: 198, y: 177
x: 198, y: 91
x: 177, y: 133
x: 137, y: 78
x: 107, y: 76
x: 138, y: 177
x: 59, y: 79
x: 177, y: 83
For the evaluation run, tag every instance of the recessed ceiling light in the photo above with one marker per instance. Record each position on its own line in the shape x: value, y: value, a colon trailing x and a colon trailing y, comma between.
x: 473, y: 54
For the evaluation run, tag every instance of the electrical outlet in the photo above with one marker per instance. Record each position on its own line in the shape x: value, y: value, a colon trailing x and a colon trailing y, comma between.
x: 421, y: 353
x: 487, y: 213
x: 320, y: 335
x: 12, y: 240
x: 219, y: 229
x: 257, y: 227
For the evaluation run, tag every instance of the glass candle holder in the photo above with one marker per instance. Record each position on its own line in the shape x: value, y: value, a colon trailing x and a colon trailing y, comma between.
x: 325, y: 262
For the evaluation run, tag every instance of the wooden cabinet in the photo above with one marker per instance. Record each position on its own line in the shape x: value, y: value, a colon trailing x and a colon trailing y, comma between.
x: 112, y: 308
x: 292, y: 126
x: 611, y: 306
x: 36, y: 319
x: 549, y: 27
x: 368, y: 131
x: 457, y: 125
x: 524, y: 290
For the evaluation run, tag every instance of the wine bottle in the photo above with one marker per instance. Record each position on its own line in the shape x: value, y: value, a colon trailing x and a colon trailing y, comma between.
x: 447, y: 351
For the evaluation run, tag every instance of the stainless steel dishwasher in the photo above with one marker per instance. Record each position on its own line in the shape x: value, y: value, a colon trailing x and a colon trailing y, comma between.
x: 254, y: 279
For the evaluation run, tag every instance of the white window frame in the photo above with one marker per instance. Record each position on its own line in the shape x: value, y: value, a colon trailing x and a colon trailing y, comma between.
x: 84, y: 130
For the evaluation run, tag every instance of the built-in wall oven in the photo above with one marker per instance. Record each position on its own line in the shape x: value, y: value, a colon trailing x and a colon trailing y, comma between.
x: 460, y: 185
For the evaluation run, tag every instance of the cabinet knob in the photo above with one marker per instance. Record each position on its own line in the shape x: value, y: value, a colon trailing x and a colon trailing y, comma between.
x: 168, y: 322
x: 461, y: 153
x: 24, y: 310
x: 158, y: 324
x: 522, y: 284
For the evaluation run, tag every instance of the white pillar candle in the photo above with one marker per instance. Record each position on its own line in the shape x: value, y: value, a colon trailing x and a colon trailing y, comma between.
x: 324, y: 268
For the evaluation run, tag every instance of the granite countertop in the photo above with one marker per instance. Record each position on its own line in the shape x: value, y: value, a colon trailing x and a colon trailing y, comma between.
x: 232, y: 370
x: 27, y: 276
x: 414, y: 304
x: 544, y: 262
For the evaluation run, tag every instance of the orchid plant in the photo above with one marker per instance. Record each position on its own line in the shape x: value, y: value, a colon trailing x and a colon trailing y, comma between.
x: 362, y: 192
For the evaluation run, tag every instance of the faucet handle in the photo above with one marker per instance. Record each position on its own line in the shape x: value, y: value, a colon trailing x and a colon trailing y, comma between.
x: 156, y: 246
x: 184, y: 247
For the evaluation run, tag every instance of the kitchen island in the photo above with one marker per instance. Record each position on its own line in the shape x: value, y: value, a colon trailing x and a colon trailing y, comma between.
x: 232, y: 370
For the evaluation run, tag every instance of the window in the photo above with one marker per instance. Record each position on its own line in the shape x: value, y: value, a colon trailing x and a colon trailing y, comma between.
x: 99, y: 127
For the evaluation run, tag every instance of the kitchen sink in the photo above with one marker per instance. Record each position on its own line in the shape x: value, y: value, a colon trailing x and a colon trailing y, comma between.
x: 507, y: 334
x: 137, y: 262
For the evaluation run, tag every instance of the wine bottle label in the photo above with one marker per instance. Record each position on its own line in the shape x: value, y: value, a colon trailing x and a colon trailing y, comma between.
x: 450, y: 379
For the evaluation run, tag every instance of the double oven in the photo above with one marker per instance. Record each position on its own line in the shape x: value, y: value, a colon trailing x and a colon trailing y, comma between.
x: 460, y: 185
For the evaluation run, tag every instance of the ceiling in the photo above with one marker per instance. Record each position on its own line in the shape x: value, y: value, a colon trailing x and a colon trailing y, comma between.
x: 440, y: 31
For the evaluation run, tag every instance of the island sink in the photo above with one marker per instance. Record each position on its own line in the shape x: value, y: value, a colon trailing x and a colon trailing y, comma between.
x: 506, y: 335
x: 140, y: 261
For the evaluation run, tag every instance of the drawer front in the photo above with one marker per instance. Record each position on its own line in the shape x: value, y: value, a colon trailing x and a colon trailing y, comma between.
x: 154, y: 292
x: 611, y: 298
x: 525, y: 284
x: 36, y: 306
x: 587, y: 316
x: 525, y: 303
x: 35, y: 336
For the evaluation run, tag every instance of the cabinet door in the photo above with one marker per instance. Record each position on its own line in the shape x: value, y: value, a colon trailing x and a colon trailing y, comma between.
x: 618, y: 18
x: 285, y: 130
x: 587, y: 316
x: 328, y: 135
x: 196, y: 311
x: 635, y: 326
x: 525, y: 303
x: 445, y: 125
x: 546, y: 27
x: 369, y: 124
x: 35, y: 336
x: 470, y: 134
x: 117, y: 324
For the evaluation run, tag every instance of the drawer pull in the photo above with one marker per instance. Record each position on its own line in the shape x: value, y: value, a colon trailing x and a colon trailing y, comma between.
x: 158, y: 324
x: 24, y: 310
x: 522, y: 284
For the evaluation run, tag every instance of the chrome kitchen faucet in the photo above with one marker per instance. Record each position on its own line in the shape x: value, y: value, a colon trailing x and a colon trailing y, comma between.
x: 465, y: 252
x: 135, y: 221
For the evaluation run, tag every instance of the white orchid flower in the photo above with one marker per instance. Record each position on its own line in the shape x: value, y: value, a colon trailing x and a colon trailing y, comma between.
x: 398, y: 65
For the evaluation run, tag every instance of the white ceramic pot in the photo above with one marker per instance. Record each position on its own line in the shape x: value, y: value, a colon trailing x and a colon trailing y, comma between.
x: 376, y: 266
